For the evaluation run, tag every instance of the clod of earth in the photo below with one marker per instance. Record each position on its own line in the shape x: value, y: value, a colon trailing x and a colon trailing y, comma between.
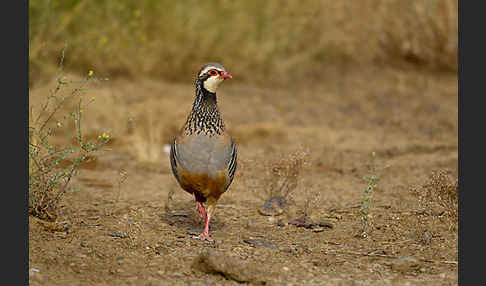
x: 274, y: 206
x: 216, y: 262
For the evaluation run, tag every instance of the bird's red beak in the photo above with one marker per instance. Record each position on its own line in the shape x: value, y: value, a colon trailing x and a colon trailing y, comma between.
x: 225, y: 75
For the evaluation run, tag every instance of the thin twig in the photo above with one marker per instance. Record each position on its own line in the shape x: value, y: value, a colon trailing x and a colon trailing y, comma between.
x: 389, y: 256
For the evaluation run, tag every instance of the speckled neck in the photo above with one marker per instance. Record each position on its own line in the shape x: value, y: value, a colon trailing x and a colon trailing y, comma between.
x: 204, y: 117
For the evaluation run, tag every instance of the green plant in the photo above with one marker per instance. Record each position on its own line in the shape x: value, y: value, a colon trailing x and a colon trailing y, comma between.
x: 52, y: 166
x: 371, y: 183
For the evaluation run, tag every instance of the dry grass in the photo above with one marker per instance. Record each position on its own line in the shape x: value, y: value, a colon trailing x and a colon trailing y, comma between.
x: 147, y: 139
x: 51, y: 165
x: 153, y: 130
x: 259, y: 41
x: 285, y: 188
x: 425, y: 33
x: 439, y: 195
x: 282, y: 176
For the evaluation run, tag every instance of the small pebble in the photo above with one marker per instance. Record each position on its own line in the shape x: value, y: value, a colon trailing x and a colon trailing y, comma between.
x: 287, y: 249
x: 62, y: 235
x: 260, y: 242
x: 302, y: 222
x: 183, y: 214
x: 273, y: 206
x: 33, y: 271
x: 119, y: 260
x: 118, y: 234
x: 64, y: 224
x: 193, y: 231
x: 161, y: 249
x: 326, y: 224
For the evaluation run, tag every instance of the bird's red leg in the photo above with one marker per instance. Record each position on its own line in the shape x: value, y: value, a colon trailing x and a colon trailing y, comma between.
x: 205, y: 234
x: 201, y: 212
x: 198, y: 211
x: 207, y: 215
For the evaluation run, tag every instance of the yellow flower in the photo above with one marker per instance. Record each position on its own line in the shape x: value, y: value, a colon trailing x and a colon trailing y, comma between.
x: 104, y: 136
x: 90, y: 73
x: 59, y: 124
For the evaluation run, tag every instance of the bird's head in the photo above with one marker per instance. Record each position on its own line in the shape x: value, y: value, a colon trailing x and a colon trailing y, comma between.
x: 211, y: 76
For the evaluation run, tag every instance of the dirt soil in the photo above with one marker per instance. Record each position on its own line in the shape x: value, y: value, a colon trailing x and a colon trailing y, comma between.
x: 125, y: 221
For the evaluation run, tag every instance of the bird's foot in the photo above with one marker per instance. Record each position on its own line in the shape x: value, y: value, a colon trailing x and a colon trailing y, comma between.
x: 204, y: 236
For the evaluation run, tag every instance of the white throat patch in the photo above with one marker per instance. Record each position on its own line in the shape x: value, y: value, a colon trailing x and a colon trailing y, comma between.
x: 212, y: 83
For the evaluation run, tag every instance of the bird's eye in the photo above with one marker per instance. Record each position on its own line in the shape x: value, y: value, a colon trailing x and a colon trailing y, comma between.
x: 213, y: 72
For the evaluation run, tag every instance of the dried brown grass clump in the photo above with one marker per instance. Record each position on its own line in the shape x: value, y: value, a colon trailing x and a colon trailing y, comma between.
x: 150, y: 137
x: 283, y: 175
x: 439, y: 195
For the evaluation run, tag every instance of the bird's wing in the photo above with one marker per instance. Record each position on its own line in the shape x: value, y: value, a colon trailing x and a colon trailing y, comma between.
x: 173, y: 159
x: 232, y: 164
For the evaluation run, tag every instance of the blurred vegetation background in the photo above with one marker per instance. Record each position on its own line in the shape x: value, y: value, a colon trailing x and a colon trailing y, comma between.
x: 259, y: 41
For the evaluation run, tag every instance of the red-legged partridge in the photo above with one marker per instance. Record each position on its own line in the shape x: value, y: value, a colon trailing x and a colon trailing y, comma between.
x: 203, y: 155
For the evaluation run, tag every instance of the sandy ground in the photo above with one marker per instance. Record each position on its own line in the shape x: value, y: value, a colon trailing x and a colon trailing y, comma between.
x: 126, y: 222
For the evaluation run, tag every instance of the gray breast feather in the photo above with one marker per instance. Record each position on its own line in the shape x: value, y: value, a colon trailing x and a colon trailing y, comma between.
x: 202, y: 155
